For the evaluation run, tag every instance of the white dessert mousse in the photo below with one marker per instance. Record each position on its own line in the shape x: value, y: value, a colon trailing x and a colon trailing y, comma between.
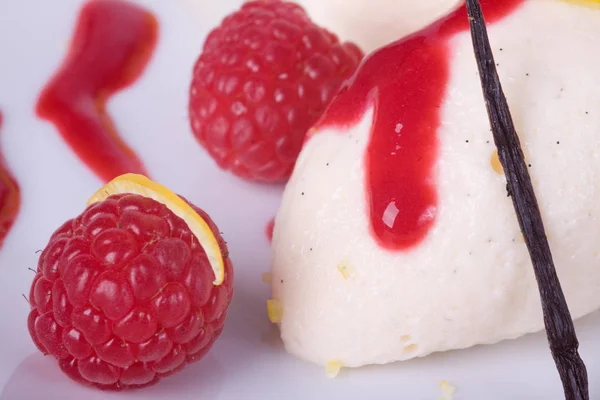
x: 345, y: 298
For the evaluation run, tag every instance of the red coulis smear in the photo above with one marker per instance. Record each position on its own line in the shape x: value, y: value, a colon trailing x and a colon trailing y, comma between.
x: 112, y: 44
x: 269, y: 229
x: 10, y: 197
x: 405, y: 82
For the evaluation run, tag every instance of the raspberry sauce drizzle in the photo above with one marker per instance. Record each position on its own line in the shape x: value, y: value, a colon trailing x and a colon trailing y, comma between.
x: 405, y: 83
x: 10, y: 197
x: 112, y: 44
x: 269, y: 229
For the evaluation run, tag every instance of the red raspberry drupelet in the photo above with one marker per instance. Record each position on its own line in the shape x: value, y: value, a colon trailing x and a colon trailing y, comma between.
x: 123, y: 294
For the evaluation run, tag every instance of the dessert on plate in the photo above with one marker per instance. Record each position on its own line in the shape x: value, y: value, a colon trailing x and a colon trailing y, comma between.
x: 396, y: 236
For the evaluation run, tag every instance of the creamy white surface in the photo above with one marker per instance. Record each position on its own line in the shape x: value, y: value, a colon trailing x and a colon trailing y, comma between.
x: 470, y: 281
x: 374, y: 23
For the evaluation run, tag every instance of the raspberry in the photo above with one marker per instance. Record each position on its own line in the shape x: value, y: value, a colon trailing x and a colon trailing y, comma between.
x: 263, y: 79
x: 123, y: 294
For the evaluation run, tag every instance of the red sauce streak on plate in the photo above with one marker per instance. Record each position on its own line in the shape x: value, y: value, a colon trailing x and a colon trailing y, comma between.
x: 10, y: 197
x: 405, y: 83
x: 269, y: 229
x: 112, y: 44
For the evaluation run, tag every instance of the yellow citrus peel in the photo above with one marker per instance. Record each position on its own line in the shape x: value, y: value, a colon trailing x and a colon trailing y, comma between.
x: 274, y: 311
x: 495, y: 162
x: 343, y: 270
x: 333, y: 368
x: 267, y: 278
x: 447, y: 390
x: 140, y: 185
x: 586, y: 3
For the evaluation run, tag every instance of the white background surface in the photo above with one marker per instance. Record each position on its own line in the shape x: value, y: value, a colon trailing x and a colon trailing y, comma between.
x: 247, y: 362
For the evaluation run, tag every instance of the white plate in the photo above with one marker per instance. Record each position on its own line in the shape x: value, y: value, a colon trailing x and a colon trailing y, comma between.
x: 247, y: 362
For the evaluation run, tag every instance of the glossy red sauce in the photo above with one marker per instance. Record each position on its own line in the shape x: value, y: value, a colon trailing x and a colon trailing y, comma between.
x: 269, y: 229
x: 112, y: 44
x: 405, y: 83
x: 10, y: 197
